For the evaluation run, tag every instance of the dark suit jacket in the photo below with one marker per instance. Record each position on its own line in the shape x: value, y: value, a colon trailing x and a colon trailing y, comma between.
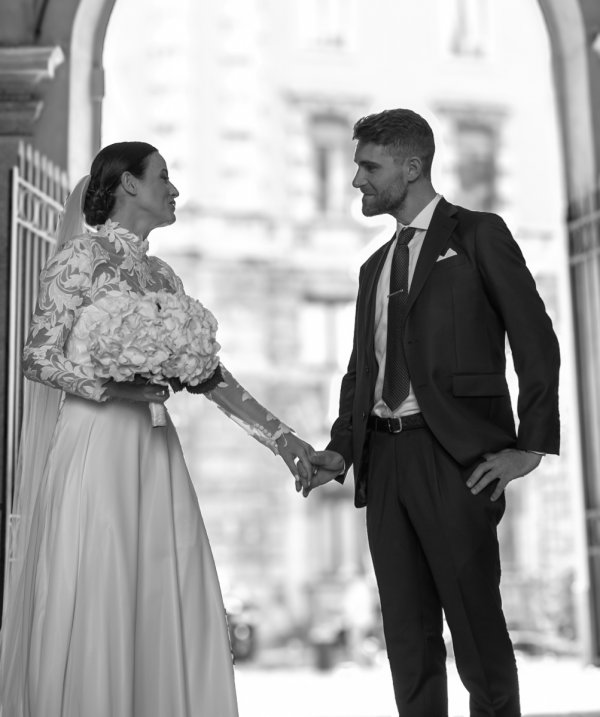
x: 460, y: 311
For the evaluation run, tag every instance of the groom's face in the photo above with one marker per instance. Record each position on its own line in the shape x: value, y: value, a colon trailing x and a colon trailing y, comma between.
x: 381, y: 177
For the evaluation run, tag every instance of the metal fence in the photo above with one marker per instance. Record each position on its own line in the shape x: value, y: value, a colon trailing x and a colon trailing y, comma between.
x: 38, y: 191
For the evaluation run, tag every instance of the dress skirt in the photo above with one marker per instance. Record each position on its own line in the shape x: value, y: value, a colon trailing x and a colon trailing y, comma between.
x: 122, y: 610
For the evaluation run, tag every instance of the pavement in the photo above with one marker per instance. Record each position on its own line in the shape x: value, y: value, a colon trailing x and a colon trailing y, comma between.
x: 550, y: 687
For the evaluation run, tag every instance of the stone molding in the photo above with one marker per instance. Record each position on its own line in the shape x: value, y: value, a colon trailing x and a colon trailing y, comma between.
x: 22, y: 70
x: 28, y: 66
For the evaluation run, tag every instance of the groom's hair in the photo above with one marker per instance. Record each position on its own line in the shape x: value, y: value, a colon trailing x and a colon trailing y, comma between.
x: 105, y: 175
x: 404, y: 132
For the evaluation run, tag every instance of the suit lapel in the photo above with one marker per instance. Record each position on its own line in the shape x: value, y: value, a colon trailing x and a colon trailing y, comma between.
x: 435, y: 243
x: 371, y: 281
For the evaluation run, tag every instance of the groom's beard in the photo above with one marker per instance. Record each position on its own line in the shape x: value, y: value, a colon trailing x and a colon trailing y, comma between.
x: 387, y: 202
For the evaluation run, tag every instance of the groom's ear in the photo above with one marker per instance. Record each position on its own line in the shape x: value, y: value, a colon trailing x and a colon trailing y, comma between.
x: 414, y: 168
x: 129, y: 183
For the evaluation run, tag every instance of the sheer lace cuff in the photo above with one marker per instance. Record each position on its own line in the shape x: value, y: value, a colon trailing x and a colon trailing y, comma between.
x: 247, y: 412
x: 259, y: 433
x: 277, y: 435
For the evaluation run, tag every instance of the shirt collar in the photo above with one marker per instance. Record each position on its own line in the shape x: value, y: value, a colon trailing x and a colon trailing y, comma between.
x: 423, y: 218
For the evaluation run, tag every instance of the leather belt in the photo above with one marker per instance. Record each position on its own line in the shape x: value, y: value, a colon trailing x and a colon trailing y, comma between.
x: 396, y: 425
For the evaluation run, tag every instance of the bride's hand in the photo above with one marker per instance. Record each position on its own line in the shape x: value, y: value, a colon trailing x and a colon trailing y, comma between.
x: 132, y: 391
x: 292, y: 449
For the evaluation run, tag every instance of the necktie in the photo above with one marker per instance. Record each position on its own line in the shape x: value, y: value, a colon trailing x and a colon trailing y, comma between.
x: 396, y: 381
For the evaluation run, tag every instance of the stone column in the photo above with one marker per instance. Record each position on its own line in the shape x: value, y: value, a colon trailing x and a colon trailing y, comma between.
x: 575, y: 42
x: 23, y: 73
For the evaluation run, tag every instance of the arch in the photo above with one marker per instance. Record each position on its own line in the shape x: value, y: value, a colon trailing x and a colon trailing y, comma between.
x: 567, y: 23
x: 69, y: 128
x: 86, y: 83
x: 567, y: 31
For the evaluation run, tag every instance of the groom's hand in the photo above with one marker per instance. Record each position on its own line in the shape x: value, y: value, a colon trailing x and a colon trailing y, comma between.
x: 504, y: 467
x: 326, y: 465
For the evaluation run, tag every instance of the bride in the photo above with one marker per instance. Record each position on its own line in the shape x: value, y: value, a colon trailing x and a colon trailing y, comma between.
x: 113, y: 604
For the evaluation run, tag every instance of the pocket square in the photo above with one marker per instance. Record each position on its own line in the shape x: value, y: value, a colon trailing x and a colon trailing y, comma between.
x: 447, y: 255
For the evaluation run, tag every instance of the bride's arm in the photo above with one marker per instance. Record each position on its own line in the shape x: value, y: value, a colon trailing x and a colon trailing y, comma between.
x: 223, y: 390
x: 261, y: 424
x: 64, y: 282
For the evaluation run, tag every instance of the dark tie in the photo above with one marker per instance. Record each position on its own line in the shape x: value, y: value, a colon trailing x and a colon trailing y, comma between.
x: 396, y: 381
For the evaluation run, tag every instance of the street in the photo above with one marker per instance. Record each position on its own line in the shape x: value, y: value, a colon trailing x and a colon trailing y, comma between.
x: 549, y: 686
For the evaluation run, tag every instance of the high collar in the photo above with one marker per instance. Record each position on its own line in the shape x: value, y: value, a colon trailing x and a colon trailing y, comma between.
x: 124, y: 241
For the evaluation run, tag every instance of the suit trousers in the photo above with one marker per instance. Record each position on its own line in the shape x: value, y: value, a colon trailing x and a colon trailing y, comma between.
x: 435, y: 552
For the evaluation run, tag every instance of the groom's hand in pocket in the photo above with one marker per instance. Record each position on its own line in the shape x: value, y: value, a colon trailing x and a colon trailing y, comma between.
x: 504, y: 466
x: 327, y: 465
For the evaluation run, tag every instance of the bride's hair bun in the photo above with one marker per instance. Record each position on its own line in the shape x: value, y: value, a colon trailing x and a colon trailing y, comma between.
x: 98, y: 204
x: 105, y: 175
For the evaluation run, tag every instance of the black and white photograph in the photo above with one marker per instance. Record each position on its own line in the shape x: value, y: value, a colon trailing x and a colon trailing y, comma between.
x: 300, y: 358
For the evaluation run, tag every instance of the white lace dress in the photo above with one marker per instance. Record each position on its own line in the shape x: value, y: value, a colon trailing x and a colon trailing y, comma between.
x: 120, y: 611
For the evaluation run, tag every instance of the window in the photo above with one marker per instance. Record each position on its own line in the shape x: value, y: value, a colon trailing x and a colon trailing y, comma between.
x: 473, y: 142
x: 326, y: 333
x: 330, y: 137
x: 467, y: 26
x: 476, y: 165
x: 328, y: 24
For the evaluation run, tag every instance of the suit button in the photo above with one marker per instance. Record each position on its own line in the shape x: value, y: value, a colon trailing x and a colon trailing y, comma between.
x: 364, y: 414
x: 367, y: 369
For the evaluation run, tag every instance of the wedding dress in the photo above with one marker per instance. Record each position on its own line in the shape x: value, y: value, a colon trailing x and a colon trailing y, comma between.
x: 116, y: 609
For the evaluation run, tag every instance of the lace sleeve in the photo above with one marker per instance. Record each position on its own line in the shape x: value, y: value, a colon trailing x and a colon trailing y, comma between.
x: 247, y: 412
x: 64, y: 282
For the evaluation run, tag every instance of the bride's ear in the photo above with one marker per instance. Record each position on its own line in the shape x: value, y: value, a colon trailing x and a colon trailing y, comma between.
x: 129, y: 183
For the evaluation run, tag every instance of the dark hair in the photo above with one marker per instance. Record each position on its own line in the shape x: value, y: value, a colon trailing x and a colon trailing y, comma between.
x: 105, y: 174
x: 402, y: 130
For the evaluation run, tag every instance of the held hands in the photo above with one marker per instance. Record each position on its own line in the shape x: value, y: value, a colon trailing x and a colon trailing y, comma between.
x: 503, y: 467
x: 136, y: 391
x: 326, y: 465
x: 297, y: 455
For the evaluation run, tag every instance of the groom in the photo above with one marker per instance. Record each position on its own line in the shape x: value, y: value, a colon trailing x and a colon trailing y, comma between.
x: 426, y: 420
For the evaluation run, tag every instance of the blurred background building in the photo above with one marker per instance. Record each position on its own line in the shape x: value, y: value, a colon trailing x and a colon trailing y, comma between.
x: 252, y: 103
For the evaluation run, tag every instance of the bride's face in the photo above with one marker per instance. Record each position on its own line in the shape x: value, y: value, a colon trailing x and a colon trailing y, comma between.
x: 155, y: 192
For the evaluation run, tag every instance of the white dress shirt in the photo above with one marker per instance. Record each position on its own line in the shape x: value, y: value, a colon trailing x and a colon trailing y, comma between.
x: 421, y: 224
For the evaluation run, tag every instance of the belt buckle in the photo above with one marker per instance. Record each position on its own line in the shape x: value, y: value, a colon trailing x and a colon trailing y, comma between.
x: 392, y: 426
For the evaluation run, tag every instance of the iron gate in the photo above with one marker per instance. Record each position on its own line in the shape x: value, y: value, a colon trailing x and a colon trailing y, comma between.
x: 38, y: 191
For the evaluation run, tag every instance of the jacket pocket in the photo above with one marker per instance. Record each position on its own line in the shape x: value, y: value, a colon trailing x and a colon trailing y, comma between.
x: 450, y: 262
x: 479, y: 384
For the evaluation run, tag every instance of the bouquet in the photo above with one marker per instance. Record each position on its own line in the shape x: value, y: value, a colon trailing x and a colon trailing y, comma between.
x: 159, y: 337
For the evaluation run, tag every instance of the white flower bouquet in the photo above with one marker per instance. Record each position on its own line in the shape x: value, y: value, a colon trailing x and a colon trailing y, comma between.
x: 162, y: 338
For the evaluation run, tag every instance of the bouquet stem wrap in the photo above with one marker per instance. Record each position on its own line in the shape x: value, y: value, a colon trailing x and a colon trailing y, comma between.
x: 158, y: 414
